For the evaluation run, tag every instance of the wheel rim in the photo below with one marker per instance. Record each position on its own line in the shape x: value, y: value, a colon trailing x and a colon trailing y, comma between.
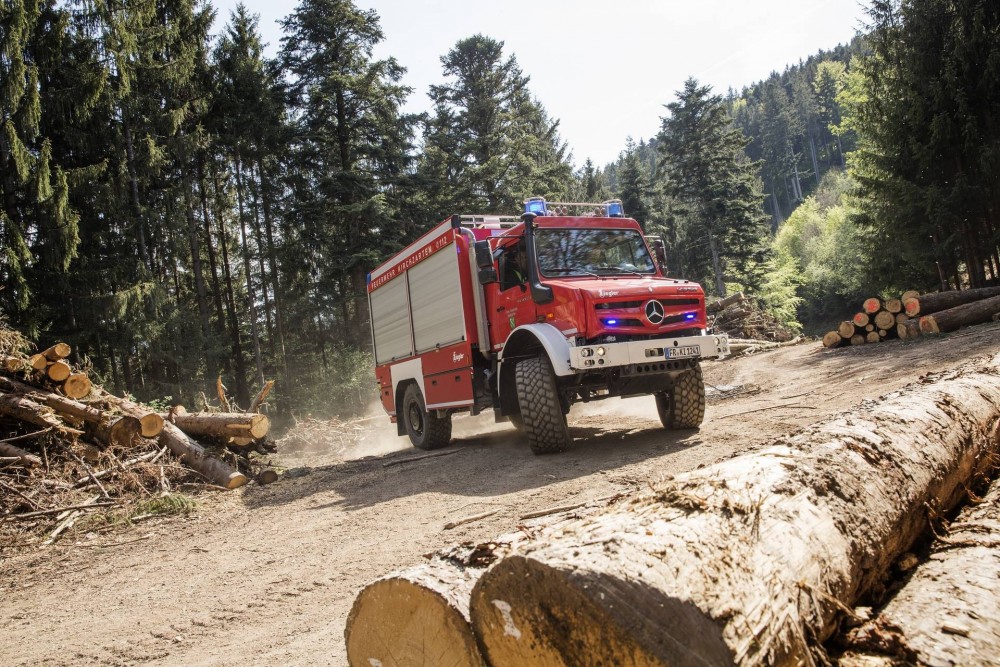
x: 416, y: 418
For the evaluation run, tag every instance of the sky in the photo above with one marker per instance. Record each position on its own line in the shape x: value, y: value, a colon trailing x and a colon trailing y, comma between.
x: 606, y: 69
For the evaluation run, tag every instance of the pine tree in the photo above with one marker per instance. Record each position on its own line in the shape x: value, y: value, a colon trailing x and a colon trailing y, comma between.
x: 713, y: 185
x: 488, y: 144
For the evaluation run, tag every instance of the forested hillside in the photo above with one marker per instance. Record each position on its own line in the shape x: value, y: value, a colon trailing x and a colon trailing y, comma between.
x: 180, y: 207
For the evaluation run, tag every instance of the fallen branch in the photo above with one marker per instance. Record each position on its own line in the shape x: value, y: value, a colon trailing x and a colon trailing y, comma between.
x: 410, y: 459
x: 29, y: 460
x: 469, y: 519
x: 57, y: 510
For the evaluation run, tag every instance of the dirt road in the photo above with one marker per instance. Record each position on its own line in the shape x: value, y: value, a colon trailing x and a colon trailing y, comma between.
x: 266, y: 575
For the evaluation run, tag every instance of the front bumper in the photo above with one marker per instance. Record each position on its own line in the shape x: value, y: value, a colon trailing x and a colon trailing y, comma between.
x: 610, y: 355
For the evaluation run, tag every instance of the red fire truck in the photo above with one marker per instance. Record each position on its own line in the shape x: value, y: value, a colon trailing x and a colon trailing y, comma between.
x: 530, y: 315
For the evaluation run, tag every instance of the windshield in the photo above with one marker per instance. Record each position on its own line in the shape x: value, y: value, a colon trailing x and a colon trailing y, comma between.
x: 589, y: 252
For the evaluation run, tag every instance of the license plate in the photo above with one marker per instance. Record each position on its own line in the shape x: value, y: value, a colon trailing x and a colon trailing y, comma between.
x: 681, y: 352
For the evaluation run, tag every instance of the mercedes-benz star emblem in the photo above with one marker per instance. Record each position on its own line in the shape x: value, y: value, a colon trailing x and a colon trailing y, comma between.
x: 654, y: 311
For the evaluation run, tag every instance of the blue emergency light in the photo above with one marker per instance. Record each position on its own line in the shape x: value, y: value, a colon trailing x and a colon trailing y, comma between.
x: 615, y: 208
x: 611, y: 322
x: 690, y: 316
x: 535, y: 205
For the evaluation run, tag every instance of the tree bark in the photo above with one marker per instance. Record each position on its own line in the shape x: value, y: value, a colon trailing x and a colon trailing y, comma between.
x: 30, y: 412
x: 945, y: 321
x: 195, y: 456
x: 251, y: 298
x: 933, y: 303
x: 27, y: 459
x: 948, y: 613
x: 57, y: 352
x: 223, y: 425
x: 751, y: 560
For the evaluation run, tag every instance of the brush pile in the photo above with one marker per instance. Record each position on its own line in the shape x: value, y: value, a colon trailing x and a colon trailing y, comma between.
x: 72, y: 454
x: 741, y: 318
x: 914, y: 314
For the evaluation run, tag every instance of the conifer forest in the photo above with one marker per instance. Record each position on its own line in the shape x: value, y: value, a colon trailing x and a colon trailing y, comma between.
x: 179, y: 206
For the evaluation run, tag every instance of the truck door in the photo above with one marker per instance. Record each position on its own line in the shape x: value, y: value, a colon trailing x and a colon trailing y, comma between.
x: 511, y: 304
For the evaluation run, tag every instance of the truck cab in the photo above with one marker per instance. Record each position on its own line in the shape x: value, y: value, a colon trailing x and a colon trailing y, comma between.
x: 566, y: 304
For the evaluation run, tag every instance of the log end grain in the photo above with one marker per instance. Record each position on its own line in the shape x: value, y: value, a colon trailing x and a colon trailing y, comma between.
x: 38, y: 362
x: 929, y: 325
x: 76, y: 386
x: 259, y: 426
x: 871, y: 305
x: 411, y: 620
x: 57, y: 352
x: 911, y: 307
x: 832, y: 339
x: 527, y: 613
x: 859, y: 320
x: 894, y: 306
x: 152, y: 424
x: 857, y: 339
x: 872, y: 337
x: 58, y: 371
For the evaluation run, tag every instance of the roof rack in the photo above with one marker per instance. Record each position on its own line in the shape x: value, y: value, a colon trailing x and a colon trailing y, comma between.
x: 488, y: 221
x: 611, y: 208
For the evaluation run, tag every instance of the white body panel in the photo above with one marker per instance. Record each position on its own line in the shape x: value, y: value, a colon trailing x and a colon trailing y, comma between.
x: 436, y: 300
x: 412, y: 369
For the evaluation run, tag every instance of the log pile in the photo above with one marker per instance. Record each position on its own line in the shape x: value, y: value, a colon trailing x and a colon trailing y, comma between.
x: 750, y: 561
x: 740, y: 317
x: 69, y: 456
x: 914, y: 314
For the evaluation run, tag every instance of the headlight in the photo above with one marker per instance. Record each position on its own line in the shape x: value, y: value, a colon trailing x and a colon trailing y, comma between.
x: 601, y: 351
x: 586, y: 352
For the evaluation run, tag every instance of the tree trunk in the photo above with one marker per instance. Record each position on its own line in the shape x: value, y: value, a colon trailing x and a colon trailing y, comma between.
x: 948, y: 613
x: 28, y: 460
x: 57, y: 352
x: 272, y: 260
x: 194, y: 455
x: 720, y: 285
x: 419, y: 616
x: 926, y: 304
x: 749, y: 561
x: 251, y: 298
x: 976, y: 312
x: 722, y: 304
x: 28, y: 411
x: 222, y: 425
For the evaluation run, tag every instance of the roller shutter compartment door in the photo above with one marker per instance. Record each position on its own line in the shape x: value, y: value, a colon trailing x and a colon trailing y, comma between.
x: 436, y: 301
x: 391, y: 321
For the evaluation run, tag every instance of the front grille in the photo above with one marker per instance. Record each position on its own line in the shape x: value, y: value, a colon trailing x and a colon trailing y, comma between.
x: 667, y: 302
x: 618, y: 305
x: 621, y: 322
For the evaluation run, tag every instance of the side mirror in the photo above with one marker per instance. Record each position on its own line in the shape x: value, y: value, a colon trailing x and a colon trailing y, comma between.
x: 487, y: 276
x: 484, y: 255
x: 661, y: 253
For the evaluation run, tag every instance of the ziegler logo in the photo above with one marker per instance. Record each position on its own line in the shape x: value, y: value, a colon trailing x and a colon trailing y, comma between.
x: 604, y: 294
x: 457, y: 356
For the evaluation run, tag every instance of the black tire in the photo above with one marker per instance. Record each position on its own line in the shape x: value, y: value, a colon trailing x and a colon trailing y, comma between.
x: 426, y: 429
x: 684, y: 405
x: 541, y: 409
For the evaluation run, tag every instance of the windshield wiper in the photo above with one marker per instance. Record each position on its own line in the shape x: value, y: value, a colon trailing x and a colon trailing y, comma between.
x: 620, y: 270
x: 570, y: 269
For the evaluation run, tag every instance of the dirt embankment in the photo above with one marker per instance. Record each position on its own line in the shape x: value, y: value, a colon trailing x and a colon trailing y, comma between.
x: 268, y: 574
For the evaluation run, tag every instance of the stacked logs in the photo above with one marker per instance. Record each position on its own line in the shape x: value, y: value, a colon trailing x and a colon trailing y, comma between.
x: 740, y: 317
x: 57, y: 447
x: 51, y: 367
x: 913, y: 314
x: 751, y: 561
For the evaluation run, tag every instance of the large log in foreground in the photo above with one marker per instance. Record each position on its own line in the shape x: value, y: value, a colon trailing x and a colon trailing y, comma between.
x: 955, y: 318
x: 420, y: 615
x: 948, y: 613
x: 748, y: 561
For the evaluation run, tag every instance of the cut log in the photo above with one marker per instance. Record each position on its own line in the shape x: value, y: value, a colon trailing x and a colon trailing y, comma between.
x: 58, y: 371
x: 27, y: 459
x: 751, y: 560
x: 872, y: 337
x: 119, y: 431
x: 885, y: 320
x: 976, y: 312
x: 31, y: 412
x: 420, y: 615
x: 57, y: 352
x: 857, y: 339
x: 870, y: 328
x: 909, y: 294
x: 901, y: 317
x: 721, y: 304
x: 14, y: 364
x: 833, y: 339
x: 846, y: 329
x: 223, y: 425
x: 927, y: 304
x: 871, y: 306
x: 63, y: 405
x: 948, y: 613
x: 860, y: 320
x: 894, y: 305
x: 77, y: 385
x: 38, y: 362
x: 195, y: 456
x: 908, y: 329
x: 152, y: 423
x: 262, y: 396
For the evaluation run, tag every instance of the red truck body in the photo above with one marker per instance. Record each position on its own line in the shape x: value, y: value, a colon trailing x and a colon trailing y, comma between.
x: 451, y: 321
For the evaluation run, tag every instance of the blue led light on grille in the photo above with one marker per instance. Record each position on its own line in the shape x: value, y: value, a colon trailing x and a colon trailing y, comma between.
x: 611, y: 322
x: 690, y: 316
